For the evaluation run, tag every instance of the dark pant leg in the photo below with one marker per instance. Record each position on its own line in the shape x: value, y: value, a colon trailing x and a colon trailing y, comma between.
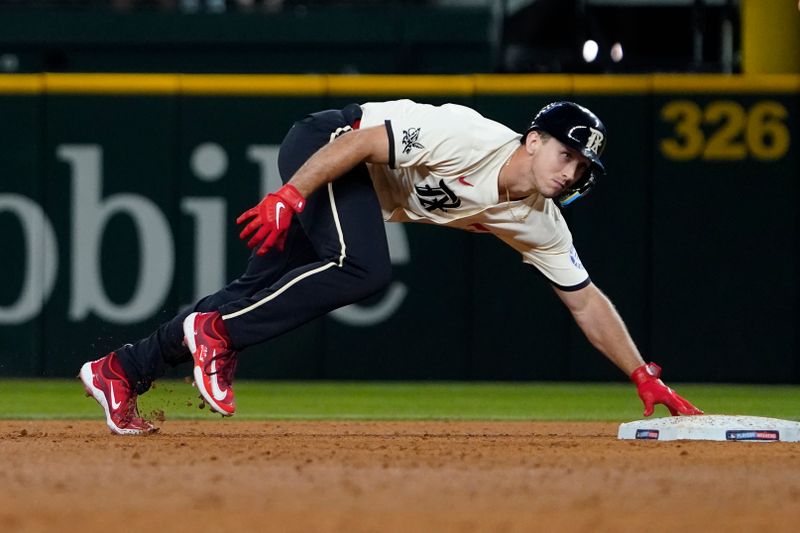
x: 337, y: 255
x: 351, y: 241
x: 344, y: 224
x: 148, y: 359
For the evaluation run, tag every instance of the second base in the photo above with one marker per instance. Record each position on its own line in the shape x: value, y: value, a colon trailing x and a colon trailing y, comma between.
x: 712, y: 427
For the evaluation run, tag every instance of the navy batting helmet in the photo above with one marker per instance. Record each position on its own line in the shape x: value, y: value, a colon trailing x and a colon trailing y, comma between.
x: 579, y: 128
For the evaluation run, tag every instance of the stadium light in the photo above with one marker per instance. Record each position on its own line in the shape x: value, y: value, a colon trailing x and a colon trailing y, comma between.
x: 616, y: 52
x: 590, y: 49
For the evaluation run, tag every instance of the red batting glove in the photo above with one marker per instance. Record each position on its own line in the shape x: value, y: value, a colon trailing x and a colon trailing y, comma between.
x: 652, y: 391
x: 271, y: 218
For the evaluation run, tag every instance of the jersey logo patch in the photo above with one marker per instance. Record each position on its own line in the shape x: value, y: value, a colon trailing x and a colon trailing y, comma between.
x: 441, y: 197
x: 410, y: 140
x: 573, y: 256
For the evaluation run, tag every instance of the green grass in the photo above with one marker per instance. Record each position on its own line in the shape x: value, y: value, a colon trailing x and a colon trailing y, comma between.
x: 257, y: 400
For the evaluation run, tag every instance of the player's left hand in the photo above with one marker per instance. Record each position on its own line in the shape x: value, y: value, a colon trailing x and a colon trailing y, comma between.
x: 652, y: 391
x: 270, y: 219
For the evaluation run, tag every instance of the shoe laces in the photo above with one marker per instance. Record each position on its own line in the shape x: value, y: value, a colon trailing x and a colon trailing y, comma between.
x: 131, y: 409
x: 226, y: 366
x: 225, y: 360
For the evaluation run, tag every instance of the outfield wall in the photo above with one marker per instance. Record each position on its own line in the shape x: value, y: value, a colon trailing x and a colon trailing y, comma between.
x: 119, y: 194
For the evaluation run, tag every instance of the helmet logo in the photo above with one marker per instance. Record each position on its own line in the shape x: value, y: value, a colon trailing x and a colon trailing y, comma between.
x: 595, y: 140
x: 591, y: 138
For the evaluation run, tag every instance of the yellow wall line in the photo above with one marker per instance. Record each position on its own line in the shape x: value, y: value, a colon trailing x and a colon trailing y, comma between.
x: 380, y: 85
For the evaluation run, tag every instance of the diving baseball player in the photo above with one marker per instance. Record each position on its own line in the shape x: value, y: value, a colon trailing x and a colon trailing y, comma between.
x: 319, y: 241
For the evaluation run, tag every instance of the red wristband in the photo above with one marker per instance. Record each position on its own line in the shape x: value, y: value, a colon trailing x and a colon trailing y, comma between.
x: 290, y: 195
x: 646, y: 372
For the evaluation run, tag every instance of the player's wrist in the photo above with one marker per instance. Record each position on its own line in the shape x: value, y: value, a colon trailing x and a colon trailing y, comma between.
x: 646, y: 373
x: 289, y: 194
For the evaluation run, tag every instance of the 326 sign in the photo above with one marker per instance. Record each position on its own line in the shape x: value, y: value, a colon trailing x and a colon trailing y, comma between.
x: 725, y: 130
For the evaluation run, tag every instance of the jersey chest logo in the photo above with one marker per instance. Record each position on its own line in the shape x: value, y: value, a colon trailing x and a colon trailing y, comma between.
x: 441, y: 197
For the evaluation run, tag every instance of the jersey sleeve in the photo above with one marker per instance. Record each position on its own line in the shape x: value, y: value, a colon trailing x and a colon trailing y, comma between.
x: 546, y: 243
x: 564, y: 270
x: 440, y: 137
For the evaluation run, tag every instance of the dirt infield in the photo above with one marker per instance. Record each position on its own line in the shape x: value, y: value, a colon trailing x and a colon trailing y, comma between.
x: 226, y: 476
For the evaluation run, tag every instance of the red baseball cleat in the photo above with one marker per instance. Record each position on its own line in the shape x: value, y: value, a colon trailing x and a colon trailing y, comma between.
x: 214, y: 363
x: 105, y: 380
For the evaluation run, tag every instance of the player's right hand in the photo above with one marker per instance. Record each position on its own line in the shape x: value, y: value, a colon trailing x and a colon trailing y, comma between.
x: 270, y: 219
x: 652, y: 391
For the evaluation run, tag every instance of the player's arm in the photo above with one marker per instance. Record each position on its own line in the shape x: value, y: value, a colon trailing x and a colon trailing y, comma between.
x: 602, y: 325
x: 268, y: 222
x: 369, y: 145
x: 598, y: 319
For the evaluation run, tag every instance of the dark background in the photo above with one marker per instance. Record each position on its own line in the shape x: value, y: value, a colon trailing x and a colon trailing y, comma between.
x: 700, y: 255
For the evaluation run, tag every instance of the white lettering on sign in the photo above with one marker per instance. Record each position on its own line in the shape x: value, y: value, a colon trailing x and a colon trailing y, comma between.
x: 90, y: 215
x: 41, y: 259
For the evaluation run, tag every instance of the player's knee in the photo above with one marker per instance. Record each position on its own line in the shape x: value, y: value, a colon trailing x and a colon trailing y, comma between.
x: 380, y: 276
x: 372, y: 278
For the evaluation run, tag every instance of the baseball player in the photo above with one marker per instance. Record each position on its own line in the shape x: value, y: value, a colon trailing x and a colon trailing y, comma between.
x: 319, y: 241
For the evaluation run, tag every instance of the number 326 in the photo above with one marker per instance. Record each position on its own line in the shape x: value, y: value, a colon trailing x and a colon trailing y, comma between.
x: 736, y: 132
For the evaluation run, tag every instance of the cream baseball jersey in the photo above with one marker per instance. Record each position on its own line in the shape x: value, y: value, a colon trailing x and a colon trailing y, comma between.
x: 444, y: 163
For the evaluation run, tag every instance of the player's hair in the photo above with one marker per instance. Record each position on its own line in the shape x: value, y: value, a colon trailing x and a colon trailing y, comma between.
x: 542, y: 135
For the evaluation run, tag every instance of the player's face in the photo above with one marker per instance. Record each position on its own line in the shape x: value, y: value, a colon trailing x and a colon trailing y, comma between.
x: 555, y: 166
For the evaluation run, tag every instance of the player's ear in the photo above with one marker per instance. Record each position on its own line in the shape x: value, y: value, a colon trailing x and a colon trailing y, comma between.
x: 532, y: 141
